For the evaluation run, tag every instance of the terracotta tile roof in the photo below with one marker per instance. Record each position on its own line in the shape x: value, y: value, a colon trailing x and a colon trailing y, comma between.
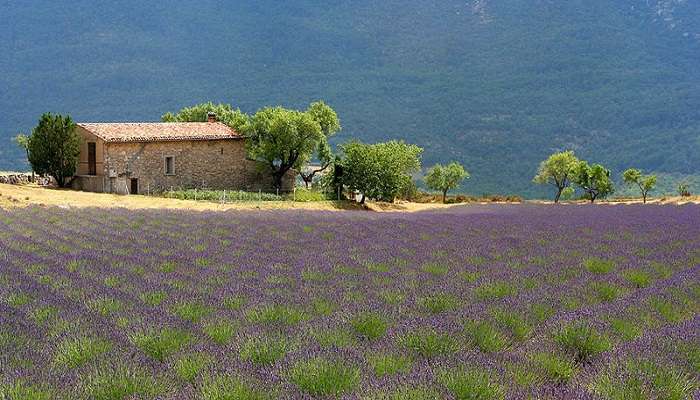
x: 160, y: 131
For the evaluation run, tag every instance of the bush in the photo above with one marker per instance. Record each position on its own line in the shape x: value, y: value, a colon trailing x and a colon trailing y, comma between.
x: 218, y: 195
x: 471, y: 384
x: 54, y: 148
x: 321, y: 377
x: 370, y: 326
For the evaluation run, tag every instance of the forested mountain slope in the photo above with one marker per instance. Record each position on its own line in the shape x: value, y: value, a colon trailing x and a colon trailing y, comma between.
x: 496, y: 84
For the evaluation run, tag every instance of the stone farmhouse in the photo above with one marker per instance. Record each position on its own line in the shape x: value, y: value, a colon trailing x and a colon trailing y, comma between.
x: 136, y: 158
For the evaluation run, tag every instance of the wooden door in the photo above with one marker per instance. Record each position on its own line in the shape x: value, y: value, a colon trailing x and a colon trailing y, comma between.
x: 134, y: 186
x: 92, y: 159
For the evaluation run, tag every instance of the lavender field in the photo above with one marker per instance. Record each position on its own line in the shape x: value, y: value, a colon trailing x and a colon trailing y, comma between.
x: 479, y: 302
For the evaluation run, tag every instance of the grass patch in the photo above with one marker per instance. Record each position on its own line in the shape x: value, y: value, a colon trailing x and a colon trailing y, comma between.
x: 598, y: 265
x: 428, y: 343
x: 231, y: 388
x: 369, y: 325
x: 513, y: 323
x: 220, y: 332
x: 153, y: 299
x: 554, y: 368
x: 74, y: 353
x: 192, y: 311
x: 581, y: 341
x: 439, y: 303
x: 494, y: 291
x: 465, y: 384
x: 606, y: 292
x: 669, y: 310
x: 392, y: 297
x: 22, y: 391
x: 334, y: 338
x: 18, y: 299
x: 121, y: 383
x: 106, y: 306
x: 44, y: 314
x: 643, y: 379
x: 321, y: 377
x: 485, y: 337
x: 276, y: 314
x: 234, y: 303
x: 264, y: 350
x: 625, y: 329
x: 435, y: 269
x: 323, y: 307
x: 389, y: 364
x: 161, y: 344
x: 638, y: 278
x: 407, y: 393
x: 189, y: 367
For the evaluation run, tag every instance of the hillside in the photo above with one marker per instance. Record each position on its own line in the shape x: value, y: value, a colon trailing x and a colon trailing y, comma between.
x: 496, y: 84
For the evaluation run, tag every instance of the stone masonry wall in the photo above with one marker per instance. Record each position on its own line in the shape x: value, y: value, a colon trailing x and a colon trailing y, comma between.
x: 211, y: 164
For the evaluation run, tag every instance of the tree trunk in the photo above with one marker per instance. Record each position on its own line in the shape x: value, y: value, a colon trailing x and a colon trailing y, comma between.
x: 644, y: 198
x: 556, y: 198
x: 278, y: 179
x: 362, y: 200
x: 444, y: 196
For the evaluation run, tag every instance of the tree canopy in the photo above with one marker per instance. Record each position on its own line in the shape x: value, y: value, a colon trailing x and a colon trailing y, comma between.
x: 379, y: 171
x: 445, y: 178
x: 200, y: 112
x: 645, y: 183
x: 557, y: 170
x: 594, y: 180
x: 54, y: 147
x: 330, y: 125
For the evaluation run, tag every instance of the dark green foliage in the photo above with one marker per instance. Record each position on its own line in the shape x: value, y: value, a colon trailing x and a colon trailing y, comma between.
x: 321, y: 377
x: 54, y: 148
x: 594, y: 180
x: 379, y: 171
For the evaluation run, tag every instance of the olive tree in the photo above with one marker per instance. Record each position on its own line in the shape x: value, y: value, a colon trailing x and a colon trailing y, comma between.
x: 22, y: 141
x: 54, y: 148
x: 379, y: 171
x: 645, y: 183
x: 445, y: 178
x: 330, y: 125
x: 594, y: 180
x: 557, y: 170
x: 200, y: 113
x: 282, y: 139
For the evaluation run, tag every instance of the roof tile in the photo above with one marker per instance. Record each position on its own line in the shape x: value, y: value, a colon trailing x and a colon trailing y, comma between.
x: 160, y: 131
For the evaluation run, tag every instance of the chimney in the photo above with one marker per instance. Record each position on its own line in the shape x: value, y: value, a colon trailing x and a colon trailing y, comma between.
x: 211, y: 117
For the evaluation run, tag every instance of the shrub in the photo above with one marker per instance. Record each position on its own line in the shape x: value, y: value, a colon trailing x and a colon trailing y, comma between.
x: 334, y: 337
x: 517, y: 326
x: 218, y: 195
x: 321, y: 377
x: 607, y: 292
x: 21, y: 391
x: 370, y: 325
x: 471, y: 384
x: 54, y: 148
x: 581, y: 341
x: 153, y: 298
x: 191, y: 311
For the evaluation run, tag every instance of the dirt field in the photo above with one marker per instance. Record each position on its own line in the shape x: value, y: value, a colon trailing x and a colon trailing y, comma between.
x: 22, y: 196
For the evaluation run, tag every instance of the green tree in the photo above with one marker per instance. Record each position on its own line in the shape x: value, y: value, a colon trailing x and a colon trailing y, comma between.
x: 594, y: 180
x: 330, y: 125
x: 22, y: 141
x: 54, y: 148
x: 557, y: 170
x: 200, y: 113
x: 645, y: 183
x: 283, y: 139
x: 379, y: 171
x: 445, y: 178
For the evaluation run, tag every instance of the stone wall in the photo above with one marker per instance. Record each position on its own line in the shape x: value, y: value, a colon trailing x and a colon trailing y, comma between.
x: 210, y: 164
x: 23, y: 179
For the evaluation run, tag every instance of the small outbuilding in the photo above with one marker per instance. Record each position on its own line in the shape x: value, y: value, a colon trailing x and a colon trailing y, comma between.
x: 157, y: 156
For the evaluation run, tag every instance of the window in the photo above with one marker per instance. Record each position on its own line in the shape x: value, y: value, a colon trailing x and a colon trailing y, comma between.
x: 170, y: 165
